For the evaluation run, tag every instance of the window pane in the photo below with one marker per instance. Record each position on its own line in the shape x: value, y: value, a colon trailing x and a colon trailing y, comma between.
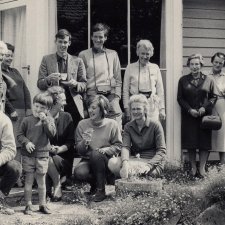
x: 73, y: 16
x: 114, y: 14
x: 146, y: 24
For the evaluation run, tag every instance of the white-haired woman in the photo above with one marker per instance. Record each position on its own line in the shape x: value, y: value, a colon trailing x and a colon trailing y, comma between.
x: 196, y: 97
x: 143, y: 143
x: 144, y: 77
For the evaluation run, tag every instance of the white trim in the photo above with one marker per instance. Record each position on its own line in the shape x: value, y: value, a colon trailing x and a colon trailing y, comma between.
x: 128, y: 32
x: 4, y: 5
x: 89, y: 23
x: 174, y: 46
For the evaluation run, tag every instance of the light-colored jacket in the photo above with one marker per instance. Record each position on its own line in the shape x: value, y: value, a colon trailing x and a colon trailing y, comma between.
x: 7, y: 140
x: 75, y: 70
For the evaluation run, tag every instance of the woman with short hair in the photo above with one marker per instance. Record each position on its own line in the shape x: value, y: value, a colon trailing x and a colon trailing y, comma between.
x: 218, y: 137
x: 62, y: 145
x: 97, y: 139
x: 196, y: 97
x: 144, y: 77
x: 144, y: 145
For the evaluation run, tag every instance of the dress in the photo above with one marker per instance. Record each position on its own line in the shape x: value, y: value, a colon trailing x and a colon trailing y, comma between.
x: 192, y: 96
x: 218, y: 136
x: 138, y: 79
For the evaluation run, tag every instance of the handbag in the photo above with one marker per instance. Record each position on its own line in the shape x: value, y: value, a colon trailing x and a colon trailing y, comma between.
x: 211, y: 122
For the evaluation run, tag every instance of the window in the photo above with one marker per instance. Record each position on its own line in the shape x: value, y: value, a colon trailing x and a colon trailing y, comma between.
x: 129, y: 20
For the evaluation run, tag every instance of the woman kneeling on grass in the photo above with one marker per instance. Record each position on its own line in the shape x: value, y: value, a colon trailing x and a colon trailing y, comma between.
x: 143, y: 141
x: 97, y: 140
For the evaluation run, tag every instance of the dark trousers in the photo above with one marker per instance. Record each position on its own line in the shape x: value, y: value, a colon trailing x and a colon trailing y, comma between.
x: 9, y: 174
x: 99, y: 169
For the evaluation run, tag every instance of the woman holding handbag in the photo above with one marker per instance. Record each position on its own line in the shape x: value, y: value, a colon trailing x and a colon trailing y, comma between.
x: 218, y: 137
x: 196, y: 97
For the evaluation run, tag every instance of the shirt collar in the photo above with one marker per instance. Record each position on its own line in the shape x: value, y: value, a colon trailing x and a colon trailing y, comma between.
x: 59, y: 58
x: 95, y: 50
x: 221, y: 74
x: 134, y: 124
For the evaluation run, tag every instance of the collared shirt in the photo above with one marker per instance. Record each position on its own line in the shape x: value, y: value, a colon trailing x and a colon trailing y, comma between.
x: 149, y: 142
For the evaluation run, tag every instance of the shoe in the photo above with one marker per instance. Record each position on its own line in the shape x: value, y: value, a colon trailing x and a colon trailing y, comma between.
x: 99, y: 196
x: 92, y: 191
x: 56, y: 199
x: 44, y: 209
x: 28, y: 210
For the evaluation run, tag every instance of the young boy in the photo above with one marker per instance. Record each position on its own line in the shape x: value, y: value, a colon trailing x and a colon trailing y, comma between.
x: 34, y: 134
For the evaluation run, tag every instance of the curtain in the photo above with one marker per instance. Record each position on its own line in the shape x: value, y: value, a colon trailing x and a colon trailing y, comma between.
x: 14, y: 23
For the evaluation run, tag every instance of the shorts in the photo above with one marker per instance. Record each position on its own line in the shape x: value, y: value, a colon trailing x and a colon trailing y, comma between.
x: 33, y: 164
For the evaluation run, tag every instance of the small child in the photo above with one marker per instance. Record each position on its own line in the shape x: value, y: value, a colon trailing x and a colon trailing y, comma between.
x: 34, y: 134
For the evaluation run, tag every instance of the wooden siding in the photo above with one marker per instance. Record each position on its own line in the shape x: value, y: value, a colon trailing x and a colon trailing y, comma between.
x: 203, y: 29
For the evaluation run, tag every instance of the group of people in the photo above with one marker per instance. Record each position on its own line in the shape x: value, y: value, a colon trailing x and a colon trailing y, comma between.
x: 77, y: 114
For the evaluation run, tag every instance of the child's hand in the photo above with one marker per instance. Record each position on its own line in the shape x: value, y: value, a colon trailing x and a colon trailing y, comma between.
x: 42, y: 116
x: 30, y: 147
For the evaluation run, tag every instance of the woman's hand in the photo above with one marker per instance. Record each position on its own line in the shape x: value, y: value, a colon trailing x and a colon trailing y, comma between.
x: 30, y: 147
x: 124, y: 170
x: 87, y: 136
x: 201, y: 111
x: 194, y: 113
x: 104, y: 150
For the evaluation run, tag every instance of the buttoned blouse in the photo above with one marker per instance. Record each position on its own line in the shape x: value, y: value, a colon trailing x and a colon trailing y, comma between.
x: 132, y: 78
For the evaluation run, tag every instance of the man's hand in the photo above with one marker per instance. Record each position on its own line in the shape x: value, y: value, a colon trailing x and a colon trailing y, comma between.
x: 53, y: 77
x: 162, y: 114
x: 194, y: 113
x: 72, y: 83
x: 124, y: 170
x: 30, y: 147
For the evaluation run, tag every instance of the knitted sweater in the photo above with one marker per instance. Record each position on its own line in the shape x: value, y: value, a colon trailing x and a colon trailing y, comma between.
x: 37, y: 132
x: 105, y: 135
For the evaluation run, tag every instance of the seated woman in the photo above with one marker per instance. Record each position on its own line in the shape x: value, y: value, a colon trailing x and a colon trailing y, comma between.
x: 143, y: 141
x: 62, y: 151
x: 97, y: 140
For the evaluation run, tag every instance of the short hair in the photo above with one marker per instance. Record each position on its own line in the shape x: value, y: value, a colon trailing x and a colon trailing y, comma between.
x: 101, y: 27
x: 62, y: 34
x: 140, y: 98
x: 3, y: 46
x: 103, y: 104
x: 195, y: 56
x: 10, y: 47
x: 218, y: 54
x: 55, y: 91
x: 146, y: 44
x: 44, y: 98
